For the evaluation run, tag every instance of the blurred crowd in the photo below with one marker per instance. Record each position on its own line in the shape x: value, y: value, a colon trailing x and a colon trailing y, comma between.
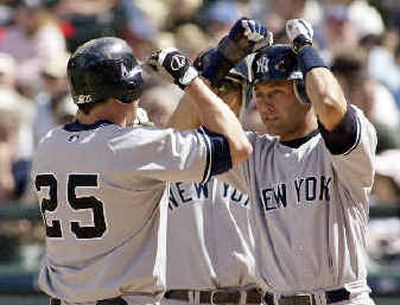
x: 360, y: 39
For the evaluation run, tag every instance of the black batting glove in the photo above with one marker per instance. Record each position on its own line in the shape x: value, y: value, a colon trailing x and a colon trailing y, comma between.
x: 245, y: 37
x: 172, y: 66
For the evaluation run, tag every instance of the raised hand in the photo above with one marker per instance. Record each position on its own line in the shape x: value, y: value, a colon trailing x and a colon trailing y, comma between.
x: 172, y: 66
x: 300, y: 33
x: 245, y: 37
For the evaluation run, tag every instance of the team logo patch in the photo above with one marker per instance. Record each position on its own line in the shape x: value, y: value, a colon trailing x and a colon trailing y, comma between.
x: 177, y: 62
x: 74, y: 138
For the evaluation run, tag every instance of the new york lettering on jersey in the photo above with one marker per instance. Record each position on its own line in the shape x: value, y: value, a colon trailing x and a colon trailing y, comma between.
x: 209, y: 238
x: 306, y: 190
x: 308, y: 198
x: 183, y: 194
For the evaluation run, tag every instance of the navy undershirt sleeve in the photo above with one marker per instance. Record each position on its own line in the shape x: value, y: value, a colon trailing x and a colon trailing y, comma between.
x: 344, y: 137
x: 220, y: 158
x: 21, y: 170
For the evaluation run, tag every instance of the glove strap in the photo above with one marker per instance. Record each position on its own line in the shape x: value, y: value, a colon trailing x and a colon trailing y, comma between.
x: 300, y: 42
x: 190, y: 75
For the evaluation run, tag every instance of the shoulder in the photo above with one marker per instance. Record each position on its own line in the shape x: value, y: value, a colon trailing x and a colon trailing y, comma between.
x: 139, y: 133
x: 365, y: 128
x: 51, y: 135
x: 151, y: 136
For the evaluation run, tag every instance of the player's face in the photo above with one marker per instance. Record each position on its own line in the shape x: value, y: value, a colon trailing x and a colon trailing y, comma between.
x: 231, y: 93
x: 282, y: 114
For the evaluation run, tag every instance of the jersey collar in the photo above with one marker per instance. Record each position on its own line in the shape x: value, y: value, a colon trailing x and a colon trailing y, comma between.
x: 77, y: 126
x: 296, y: 143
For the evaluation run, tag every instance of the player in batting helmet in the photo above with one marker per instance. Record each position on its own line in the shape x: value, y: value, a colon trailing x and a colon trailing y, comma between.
x: 278, y: 86
x: 104, y: 68
x: 114, y: 252
x: 234, y: 87
x: 214, y: 213
x: 317, y: 141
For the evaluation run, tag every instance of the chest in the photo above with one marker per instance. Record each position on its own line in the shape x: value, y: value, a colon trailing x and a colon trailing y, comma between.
x: 293, y: 179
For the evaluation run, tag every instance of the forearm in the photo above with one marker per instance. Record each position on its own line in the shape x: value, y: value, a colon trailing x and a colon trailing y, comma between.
x: 217, y: 117
x: 184, y: 118
x: 213, y: 113
x: 209, y: 107
x: 326, y: 96
x: 338, y: 122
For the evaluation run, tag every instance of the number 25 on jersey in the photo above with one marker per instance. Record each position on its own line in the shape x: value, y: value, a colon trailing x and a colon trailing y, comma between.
x: 51, y: 203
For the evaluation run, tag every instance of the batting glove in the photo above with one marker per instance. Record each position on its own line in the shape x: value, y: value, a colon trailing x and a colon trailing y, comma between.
x: 245, y: 37
x: 300, y: 34
x: 172, y: 66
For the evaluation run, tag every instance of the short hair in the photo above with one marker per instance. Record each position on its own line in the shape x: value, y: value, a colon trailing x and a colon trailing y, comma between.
x: 88, y: 107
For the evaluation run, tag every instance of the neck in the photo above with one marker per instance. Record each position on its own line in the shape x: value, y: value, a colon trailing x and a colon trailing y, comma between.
x: 113, y: 111
x: 308, y: 126
x: 91, y: 119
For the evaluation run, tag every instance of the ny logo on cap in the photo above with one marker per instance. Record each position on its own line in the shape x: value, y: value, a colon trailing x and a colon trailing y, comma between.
x: 177, y: 62
x: 262, y: 64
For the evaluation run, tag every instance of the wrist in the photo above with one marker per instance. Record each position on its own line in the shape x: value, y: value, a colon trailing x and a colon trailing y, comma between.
x: 300, y: 42
x: 309, y: 59
x: 188, y: 78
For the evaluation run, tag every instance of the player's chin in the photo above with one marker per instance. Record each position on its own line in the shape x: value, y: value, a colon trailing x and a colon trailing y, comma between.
x: 273, y: 127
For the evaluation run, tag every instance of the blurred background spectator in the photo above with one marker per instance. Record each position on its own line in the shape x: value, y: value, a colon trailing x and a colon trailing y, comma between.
x: 54, y: 105
x: 373, y: 98
x: 32, y: 37
x: 14, y: 169
x: 387, y: 179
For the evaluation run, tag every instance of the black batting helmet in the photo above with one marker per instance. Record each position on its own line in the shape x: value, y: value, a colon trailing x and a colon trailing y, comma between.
x: 279, y: 62
x: 239, y: 74
x: 104, y: 68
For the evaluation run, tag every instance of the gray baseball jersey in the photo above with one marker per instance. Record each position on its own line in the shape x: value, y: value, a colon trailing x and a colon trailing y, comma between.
x: 104, y: 199
x: 311, y: 220
x: 209, y: 242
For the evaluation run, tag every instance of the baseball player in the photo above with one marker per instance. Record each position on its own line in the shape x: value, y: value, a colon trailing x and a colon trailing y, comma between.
x: 309, y: 179
x: 209, y: 241
x: 102, y: 186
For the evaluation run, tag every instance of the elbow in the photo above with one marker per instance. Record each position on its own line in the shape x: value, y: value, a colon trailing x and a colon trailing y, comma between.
x: 331, y: 112
x: 247, y: 150
x: 241, y: 151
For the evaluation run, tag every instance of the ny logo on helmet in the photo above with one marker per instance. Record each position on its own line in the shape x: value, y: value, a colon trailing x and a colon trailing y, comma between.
x: 262, y: 64
x: 124, y: 70
x: 178, y: 62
